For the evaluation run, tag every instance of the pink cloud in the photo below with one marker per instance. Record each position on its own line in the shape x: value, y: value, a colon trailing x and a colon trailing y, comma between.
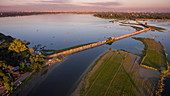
x: 100, y: 6
x: 105, y: 4
x: 56, y: 1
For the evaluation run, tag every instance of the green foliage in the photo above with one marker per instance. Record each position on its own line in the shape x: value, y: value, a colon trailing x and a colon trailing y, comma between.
x: 154, y: 59
x: 37, y: 58
x: 114, y: 77
x: 17, y: 46
x: 37, y: 61
x: 13, y: 54
x: 110, y: 41
x: 24, y: 68
x: 4, y: 45
x: 3, y: 66
x: 36, y: 66
x: 6, y: 78
x: 31, y: 50
x: 23, y: 65
x: 154, y: 54
x: 9, y: 86
x: 13, y: 58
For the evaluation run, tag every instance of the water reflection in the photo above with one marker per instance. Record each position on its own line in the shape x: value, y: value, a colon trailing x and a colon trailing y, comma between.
x: 67, y: 30
x: 63, y: 78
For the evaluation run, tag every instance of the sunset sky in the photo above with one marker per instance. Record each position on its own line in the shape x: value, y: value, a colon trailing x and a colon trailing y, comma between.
x: 85, y: 5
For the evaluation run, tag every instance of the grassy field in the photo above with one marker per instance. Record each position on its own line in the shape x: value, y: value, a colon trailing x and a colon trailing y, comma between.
x: 154, y: 54
x: 115, y: 75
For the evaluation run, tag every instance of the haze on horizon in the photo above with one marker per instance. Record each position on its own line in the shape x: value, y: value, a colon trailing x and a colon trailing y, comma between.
x: 85, y: 5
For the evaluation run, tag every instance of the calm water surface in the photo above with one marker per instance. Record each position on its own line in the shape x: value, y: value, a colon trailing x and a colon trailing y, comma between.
x: 66, y: 30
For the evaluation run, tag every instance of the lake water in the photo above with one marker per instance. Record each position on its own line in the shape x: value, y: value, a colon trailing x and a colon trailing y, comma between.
x: 66, y: 30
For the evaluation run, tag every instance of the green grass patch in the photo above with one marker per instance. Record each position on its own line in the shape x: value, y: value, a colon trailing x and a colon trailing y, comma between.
x: 114, y: 77
x: 154, y: 54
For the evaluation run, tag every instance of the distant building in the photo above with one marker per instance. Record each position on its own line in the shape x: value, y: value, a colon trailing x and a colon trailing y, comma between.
x: 37, y: 52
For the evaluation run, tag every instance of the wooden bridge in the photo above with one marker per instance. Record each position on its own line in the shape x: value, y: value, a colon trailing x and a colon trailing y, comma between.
x: 75, y: 50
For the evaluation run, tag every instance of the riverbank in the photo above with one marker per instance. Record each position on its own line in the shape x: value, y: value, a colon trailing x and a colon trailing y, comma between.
x: 155, y: 58
x: 35, y: 79
x: 108, y: 73
x: 76, y: 91
x: 78, y: 84
x: 154, y: 55
x: 30, y: 82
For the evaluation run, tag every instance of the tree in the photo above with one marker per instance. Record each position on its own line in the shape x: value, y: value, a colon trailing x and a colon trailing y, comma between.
x: 9, y: 86
x: 6, y: 78
x: 3, y: 66
x: 4, y: 46
x: 36, y: 66
x: 36, y: 61
x: 18, y: 46
x: 37, y: 58
x: 110, y: 40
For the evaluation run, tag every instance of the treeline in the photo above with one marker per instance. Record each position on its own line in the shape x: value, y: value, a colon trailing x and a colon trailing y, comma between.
x: 16, y: 58
x: 13, y: 14
x: 133, y: 15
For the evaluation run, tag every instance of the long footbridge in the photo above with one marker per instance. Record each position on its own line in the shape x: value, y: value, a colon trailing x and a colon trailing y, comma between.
x: 96, y: 44
x: 71, y: 51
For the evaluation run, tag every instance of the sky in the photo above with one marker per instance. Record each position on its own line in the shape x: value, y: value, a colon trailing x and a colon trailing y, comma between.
x: 85, y: 5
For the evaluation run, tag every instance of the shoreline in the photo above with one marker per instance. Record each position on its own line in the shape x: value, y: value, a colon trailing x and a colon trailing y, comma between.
x: 76, y: 92
x: 36, y: 80
x: 78, y: 83
x: 85, y: 84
